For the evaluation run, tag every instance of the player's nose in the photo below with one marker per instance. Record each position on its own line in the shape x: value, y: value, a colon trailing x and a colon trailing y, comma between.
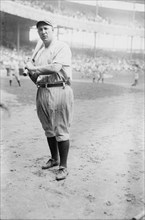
x: 43, y: 31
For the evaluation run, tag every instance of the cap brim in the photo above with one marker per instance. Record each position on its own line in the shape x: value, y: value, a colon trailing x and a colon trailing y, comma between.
x: 43, y: 23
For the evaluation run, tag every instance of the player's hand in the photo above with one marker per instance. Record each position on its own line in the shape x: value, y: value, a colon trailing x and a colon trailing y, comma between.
x: 33, y: 76
x: 30, y: 66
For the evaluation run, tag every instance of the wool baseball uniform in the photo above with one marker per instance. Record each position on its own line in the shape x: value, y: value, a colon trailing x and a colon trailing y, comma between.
x: 14, y: 70
x: 55, y: 105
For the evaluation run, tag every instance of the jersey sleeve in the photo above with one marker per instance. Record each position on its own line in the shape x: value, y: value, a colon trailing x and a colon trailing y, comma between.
x: 63, y: 56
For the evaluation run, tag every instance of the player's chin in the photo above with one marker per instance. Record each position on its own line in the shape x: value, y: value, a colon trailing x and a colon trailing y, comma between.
x: 44, y: 38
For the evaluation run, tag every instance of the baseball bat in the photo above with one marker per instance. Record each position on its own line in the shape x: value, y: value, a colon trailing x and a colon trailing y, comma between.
x: 35, y: 52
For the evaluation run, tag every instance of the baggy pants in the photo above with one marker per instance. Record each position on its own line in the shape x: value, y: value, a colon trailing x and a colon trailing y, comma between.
x: 55, y: 111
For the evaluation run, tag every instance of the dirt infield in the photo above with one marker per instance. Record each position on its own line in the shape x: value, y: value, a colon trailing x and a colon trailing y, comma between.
x: 106, y: 158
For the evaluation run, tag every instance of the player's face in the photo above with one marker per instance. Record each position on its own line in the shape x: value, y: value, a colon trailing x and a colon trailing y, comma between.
x: 46, y: 33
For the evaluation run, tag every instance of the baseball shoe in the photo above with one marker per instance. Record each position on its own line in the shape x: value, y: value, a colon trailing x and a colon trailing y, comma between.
x: 50, y: 163
x: 62, y: 173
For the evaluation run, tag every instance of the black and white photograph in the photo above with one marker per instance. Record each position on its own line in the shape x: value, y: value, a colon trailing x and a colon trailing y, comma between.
x: 72, y: 109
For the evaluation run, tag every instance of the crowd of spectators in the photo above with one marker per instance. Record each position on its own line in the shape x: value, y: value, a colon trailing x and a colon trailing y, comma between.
x: 59, y: 7
x: 87, y: 66
x: 7, y: 54
x: 73, y: 10
x: 84, y: 65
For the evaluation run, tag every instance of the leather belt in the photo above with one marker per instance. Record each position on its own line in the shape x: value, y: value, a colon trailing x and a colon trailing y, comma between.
x: 49, y: 85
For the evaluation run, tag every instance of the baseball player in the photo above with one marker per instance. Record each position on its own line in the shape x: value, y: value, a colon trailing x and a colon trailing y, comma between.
x: 51, y: 72
x: 136, y: 74
x: 93, y: 70
x: 14, y: 71
x: 101, y: 71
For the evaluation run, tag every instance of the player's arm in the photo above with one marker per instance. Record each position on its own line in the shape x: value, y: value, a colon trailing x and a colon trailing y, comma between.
x: 49, y: 69
x: 44, y: 70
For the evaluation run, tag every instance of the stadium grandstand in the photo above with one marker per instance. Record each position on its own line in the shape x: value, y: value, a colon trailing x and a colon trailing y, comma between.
x: 92, y: 28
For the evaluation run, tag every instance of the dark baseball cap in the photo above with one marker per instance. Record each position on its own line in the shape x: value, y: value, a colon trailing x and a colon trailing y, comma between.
x: 44, y: 22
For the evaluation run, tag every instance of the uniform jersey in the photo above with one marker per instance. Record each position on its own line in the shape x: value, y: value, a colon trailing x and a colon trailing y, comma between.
x: 57, y: 52
x: 55, y: 105
x: 14, y: 69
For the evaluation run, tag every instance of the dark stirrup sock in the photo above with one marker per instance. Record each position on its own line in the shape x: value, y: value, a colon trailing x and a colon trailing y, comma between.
x: 53, y: 147
x: 63, y: 148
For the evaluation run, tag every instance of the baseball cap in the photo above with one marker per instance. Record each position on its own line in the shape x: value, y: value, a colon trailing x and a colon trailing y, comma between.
x: 44, y: 22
